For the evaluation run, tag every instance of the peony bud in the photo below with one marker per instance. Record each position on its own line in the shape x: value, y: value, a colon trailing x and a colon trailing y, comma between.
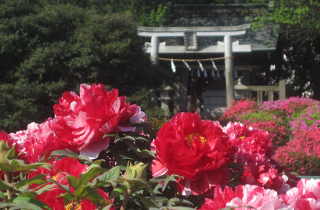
x: 137, y: 171
x: 6, y: 152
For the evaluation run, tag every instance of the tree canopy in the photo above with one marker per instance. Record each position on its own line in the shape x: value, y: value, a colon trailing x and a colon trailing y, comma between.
x: 297, y: 58
x: 48, y: 47
x: 298, y: 19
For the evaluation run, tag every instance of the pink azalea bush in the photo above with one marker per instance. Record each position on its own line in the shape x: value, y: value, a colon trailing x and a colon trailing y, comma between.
x: 99, y: 152
x: 292, y: 125
x: 302, y: 153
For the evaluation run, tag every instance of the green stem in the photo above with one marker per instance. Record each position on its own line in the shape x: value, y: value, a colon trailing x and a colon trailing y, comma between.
x: 125, y: 199
x: 6, y: 178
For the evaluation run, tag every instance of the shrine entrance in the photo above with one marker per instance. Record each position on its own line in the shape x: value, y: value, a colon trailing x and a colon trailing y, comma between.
x: 220, y: 54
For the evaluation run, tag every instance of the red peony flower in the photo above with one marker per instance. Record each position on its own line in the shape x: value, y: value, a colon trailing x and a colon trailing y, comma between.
x: 254, y: 150
x: 83, y: 121
x: 36, y: 141
x: 249, y: 140
x: 195, y: 149
x: 4, y: 136
x: 243, y: 197
x: 61, y: 167
x: 87, y: 204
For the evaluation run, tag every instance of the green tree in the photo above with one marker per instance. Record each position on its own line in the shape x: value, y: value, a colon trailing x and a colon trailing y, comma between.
x: 50, y: 47
x: 299, y: 43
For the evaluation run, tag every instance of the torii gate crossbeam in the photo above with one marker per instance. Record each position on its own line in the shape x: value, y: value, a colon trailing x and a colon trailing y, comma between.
x: 225, y: 31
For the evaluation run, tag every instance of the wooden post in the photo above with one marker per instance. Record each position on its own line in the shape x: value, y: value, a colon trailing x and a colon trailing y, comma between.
x: 282, y: 89
x: 154, y: 49
x: 183, y: 91
x: 229, y: 69
x: 193, y: 91
x: 270, y: 95
x: 259, y: 97
x: 249, y: 95
x: 176, y: 98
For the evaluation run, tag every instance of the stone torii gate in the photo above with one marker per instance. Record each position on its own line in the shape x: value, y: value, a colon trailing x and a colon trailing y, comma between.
x: 190, y: 35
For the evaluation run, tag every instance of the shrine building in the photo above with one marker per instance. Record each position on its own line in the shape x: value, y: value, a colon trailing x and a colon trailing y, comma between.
x: 211, y: 48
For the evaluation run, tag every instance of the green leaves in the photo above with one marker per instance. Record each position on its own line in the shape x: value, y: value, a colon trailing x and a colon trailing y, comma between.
x: 51, y: 47
x: 25, y: 203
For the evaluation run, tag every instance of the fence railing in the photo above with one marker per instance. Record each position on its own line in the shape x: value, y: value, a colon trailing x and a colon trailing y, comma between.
x: 281, y: 88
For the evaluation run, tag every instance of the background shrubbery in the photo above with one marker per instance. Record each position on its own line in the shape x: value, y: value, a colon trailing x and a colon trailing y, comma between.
x: 293, y: 125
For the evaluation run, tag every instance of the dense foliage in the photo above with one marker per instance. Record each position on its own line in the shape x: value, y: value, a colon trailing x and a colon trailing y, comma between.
x: 297, y: 57
x: 293, y: 125
x: 48, y: 47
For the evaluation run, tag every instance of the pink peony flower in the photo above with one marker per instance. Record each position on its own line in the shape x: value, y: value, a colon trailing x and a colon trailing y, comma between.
x: 249, y: 140
x: 195, y: 149
x: 135, y: 116
x: 306, y: 196
x: 254, y: 149
x: 243, y: 197
x: 83, y: 121
x: 35, y: 142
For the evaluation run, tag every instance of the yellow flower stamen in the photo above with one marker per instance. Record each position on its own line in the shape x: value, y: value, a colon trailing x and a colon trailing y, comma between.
x: 242, y: 137
x: 75, y: 206
x: 190, y: 139
x: 55, y: 178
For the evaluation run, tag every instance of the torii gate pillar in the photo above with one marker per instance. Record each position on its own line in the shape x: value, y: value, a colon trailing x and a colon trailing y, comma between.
x: 229, y: 69
x: 154, y: 49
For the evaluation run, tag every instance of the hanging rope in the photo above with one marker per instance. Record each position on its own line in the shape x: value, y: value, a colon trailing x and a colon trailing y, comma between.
x: 192, y: 60
x: 173, y: 67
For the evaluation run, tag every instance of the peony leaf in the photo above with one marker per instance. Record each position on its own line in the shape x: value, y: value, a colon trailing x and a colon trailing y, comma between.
x: 156, y: 189
x: 134, y: 147
x: 129, y: 138
x: 67, y: 197
x: 33, y: 166
x: 11, y: 153
x: 45, y: 188
x: 30, y: 203
x: 179, y: 201
x: 84, y: 191
x: 96, y: 198
x: 161, y: 200
x: 2, y: 196
x: 73, y: 181
x: 117, y: 138
x: 148, y: 154
x: 65, y: 153
x: 38, y: 179
x: 90, y: 174
x: 85, y: 159
x: 117, y: 192
x: 166, y: 181
x: 97, y: 163
x: 135, y: 184
x: 4, y: 185
x: 64, y: 187
x: 5, y: 167
x: 125, y: 156
x: 147, y: 202
x: 110, y: 175
x: 15, y: 163
x: 28, y: 194
x: 99, y: 183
